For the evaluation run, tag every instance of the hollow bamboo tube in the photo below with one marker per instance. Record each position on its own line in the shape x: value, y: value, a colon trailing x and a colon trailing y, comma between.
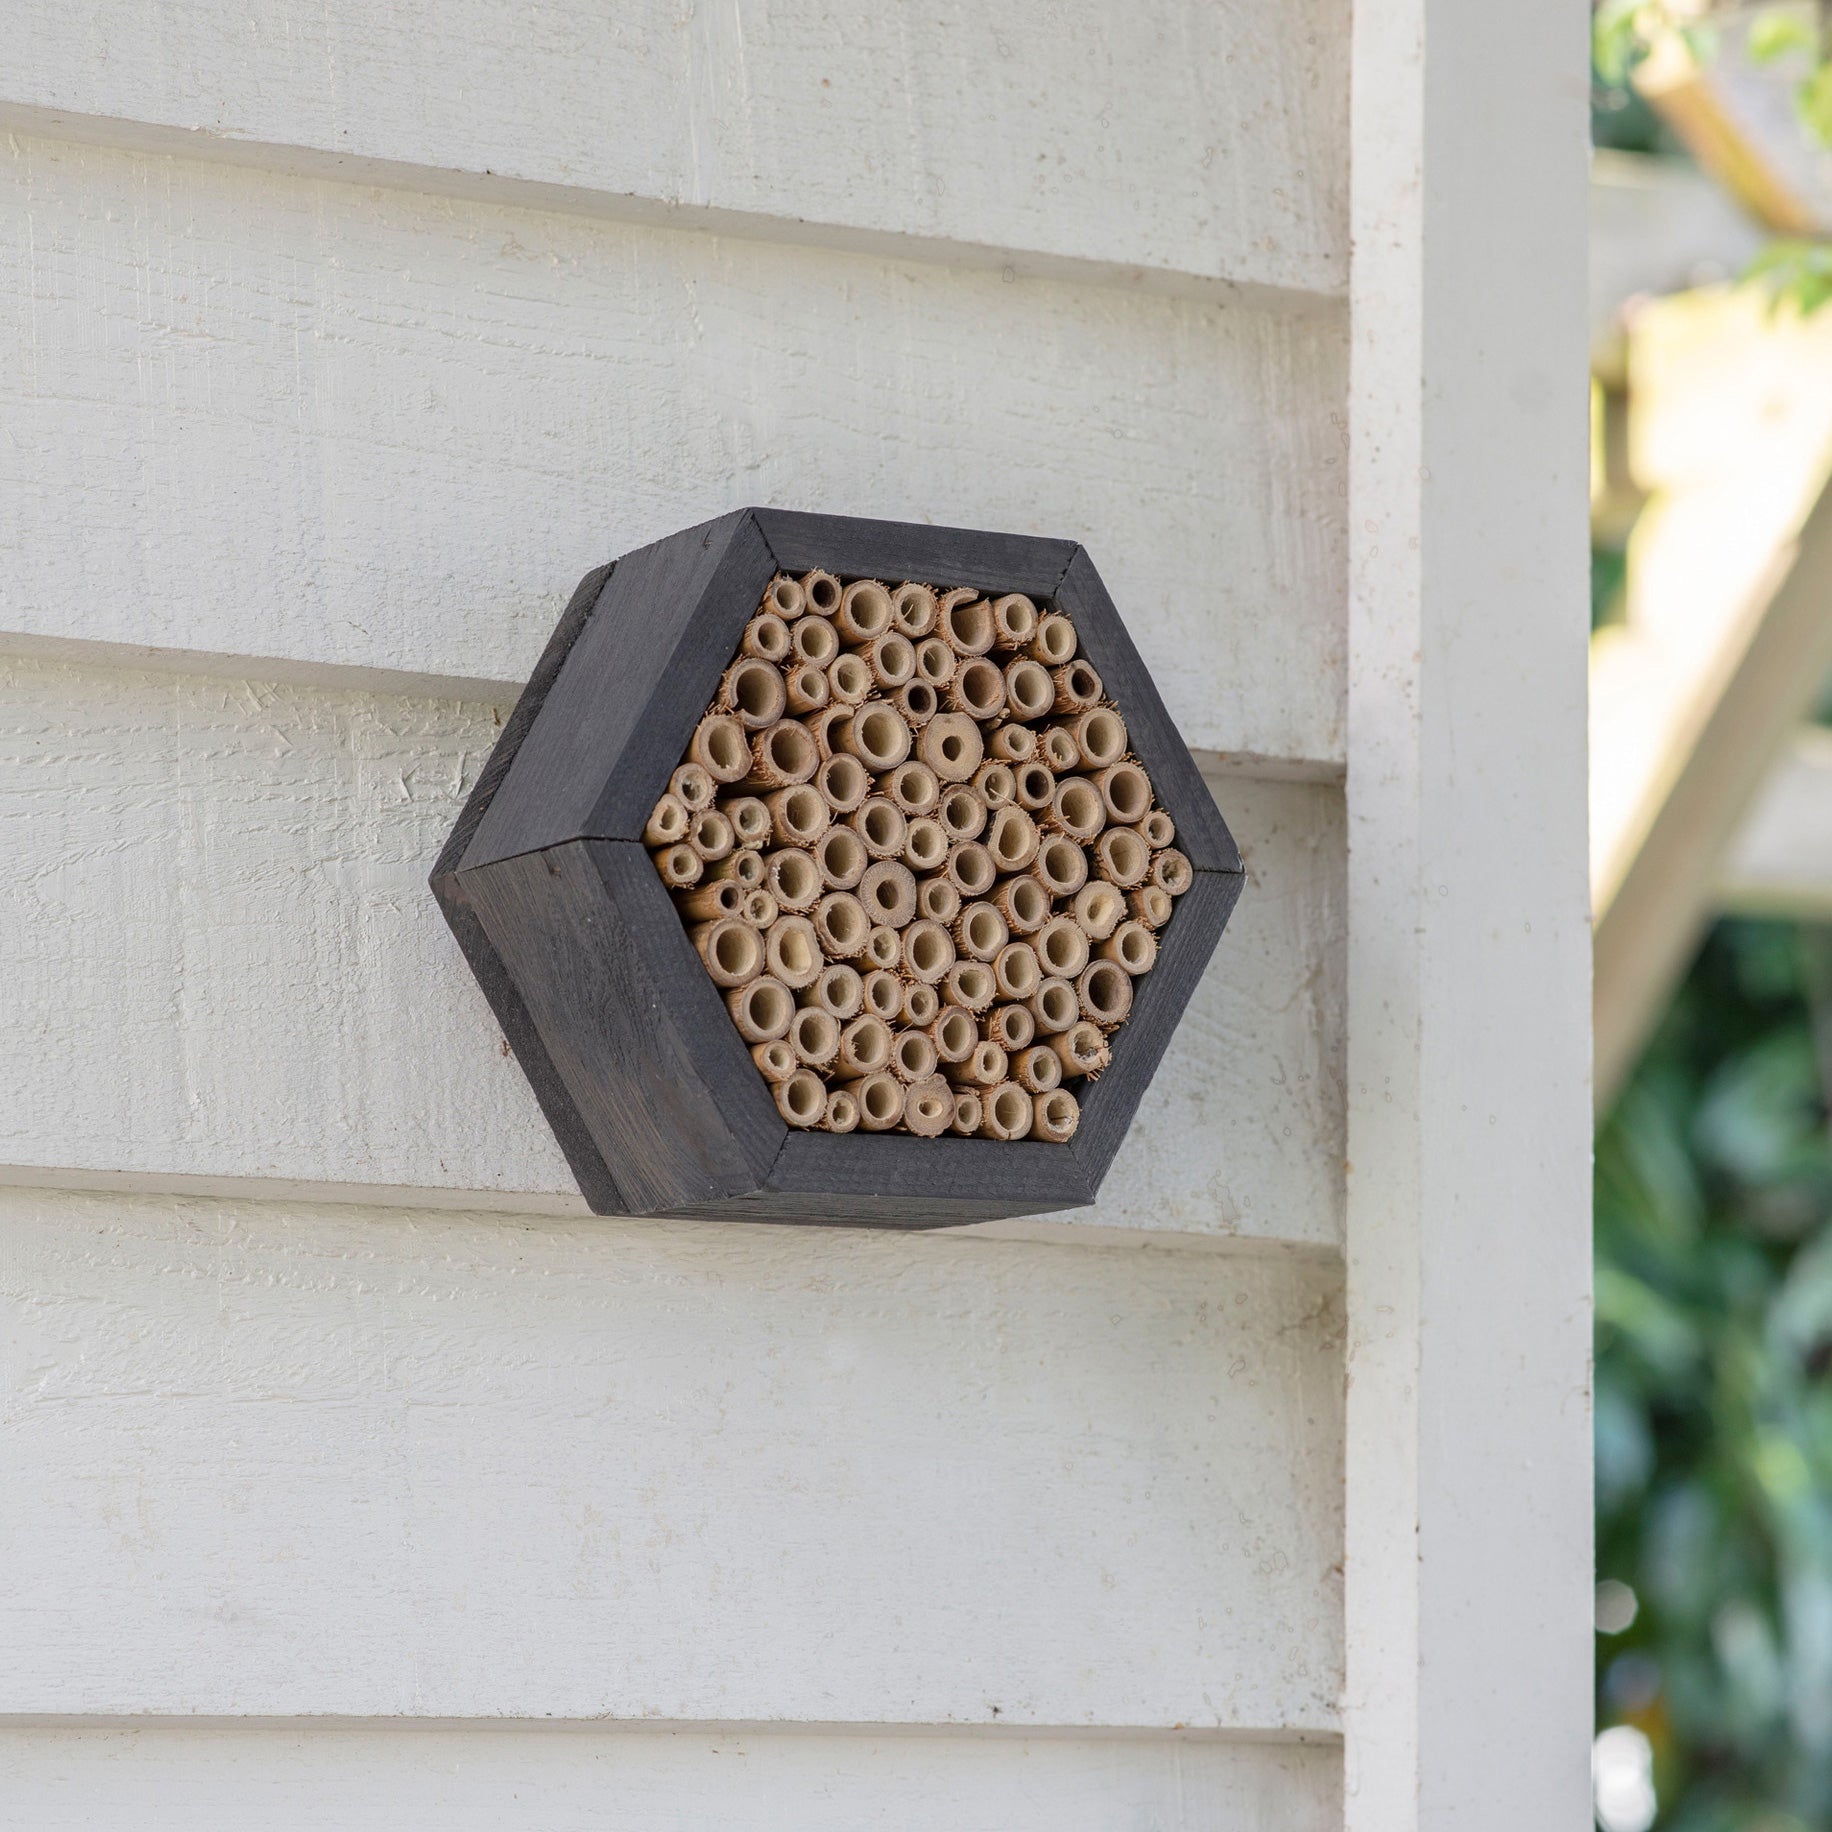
x: 1029, y: 691
x: 878, y: 737
x: 1150, y: 905
x: 710, y: 835
x: 680, y: 866
x: 1171, y: 871
x: 892, y: 661
x: 883, y: 995
x: 759, y: 909
x: 1122, y: 858
x: 790, y: 876
x: 978, y: 689
x: 814, y: 1036
x: 925, y: 844
x: 766, y: 637
x: 720, y: 747
x: 1036, y: 785
x: 1077, y: 809
x: 761, y: 1010
x: 913, y: 610
x: 1007, y: 1112
x: 1054, y: 1006
x: 745, y: 868
x: 1098, y: 909
x: 781, y: 754
x: 1055, y: 1116
x: 843, y: 781
x: 865, y: 1045
x: 1158, y: 830
x: 970, y: 985
x: 792, y: 950
x: 917, y: 701
x: 970, y: 866
x: 1055, y: 642
x: 888, y: 892
x: 912, y: 786
x: 1015, y: 969
x: 912, y: 1056
x: 823, y: 592
x: 711, y: 901
x: 1011, y: 1027
x: 954, y: 1034
x: 693, y: 787
x: 928, y: 951
x: 1014, y: 620
x: 785, y: 597
x: 842, y: 1113
x: 799, y: 815
x: 980, y: 931
x: 1062, y: 865
x: 997, y: 783
x: 938, y: 900
x: 805, y: 689
x: 1083, y: 1049
x: 840, y: 922
x: 1057, y: 749
x: 864, y: 613
x: 1100, y: 736
x: 1078, y: 687
x: 750, y: 819
x: 1012, y: 743
x: 880, y: 825
x: 966, y: 622
x: 1062, y: 949
x: 936, y: 662
x: 1126, y: 790
x: 775, y: 1060
x: 884, y: 947
x: 1105, y: 992
x: 752, y: 692
x: 928, y: 1107
x: 840, y: 858
x: 967, y: 1113
x: 1037, y: 1069
x: 984, y: 1067
x: 824, y: 728
x: 802, y: 1099
x: 962, y: 812
x: 1131, y: 946
x: 1012, y: 840
x: 667, y: 822
x: 814, y: 642
x: 731, y: 950
x: 1024, y: 903
x: 839, y: 990
x: 848, y: 679
x: 880, y: 1097
x: 920, y: 1004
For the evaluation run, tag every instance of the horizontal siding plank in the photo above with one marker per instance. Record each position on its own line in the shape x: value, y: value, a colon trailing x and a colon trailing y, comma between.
x: 1158, y: 137
x: 227, y: 969
x: 257, y: 416
x: 289, y: 1461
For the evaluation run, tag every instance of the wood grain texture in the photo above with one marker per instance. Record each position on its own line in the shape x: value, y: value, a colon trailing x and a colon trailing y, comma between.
x: 168, y: 1777
x: 265, y: 1459
x: 1164, y: 145
x: 986, y: 558
x: 253, y: 416
x: 187, y: 851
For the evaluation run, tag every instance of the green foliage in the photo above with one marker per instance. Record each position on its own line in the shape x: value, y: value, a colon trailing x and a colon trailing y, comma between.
x: 1794, y: 273
x: 1714, y: 1390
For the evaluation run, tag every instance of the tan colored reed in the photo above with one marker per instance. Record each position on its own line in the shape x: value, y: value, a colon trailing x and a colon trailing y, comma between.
x: 954, y: 1034
x: 921, y: 1004
x: 750, y: 820
x: 883, y: 995
x: 1151, y: 905
x: 1158, y: 830
x: 766, y: 637
x: 805, y: 688
x: 1012, y: 839
x: 971, y: 868
x: 918, y: 702
x: 913, y: 787
x: 848, y: 679
x: 1098, y: 909
x: 761, y: 1010
x: 951, y: 745
x: 1016, y: 970
x: 843, y: 781
x: 667, y: 825
x: 864, y: 613
x: 792, y: 951
x: 842, y: 926
x: 1122, y: 858
x: 814, y: 1036
x: 823, y: 592
x: 1011, y: 1027
x: 880, y: 1096
x: 839, y: 990
x: 913, y: 1056
x: 1105, y: 992
x: 1083, y: 1048
x: 746, y: 868
x: 1131, y: 946
x: 913, y: 610
x: 928, y: 1107
x: 814, y: 643
x: 865, y: 1045
x: 1172, y: 872
x: 980, y: 931
x: 984, y: 1067
x: 1007, y: 1112
x: 925, y: 844
x: 679, y: 866
x: 928, y: 951
x: 1055, y: 642
x: 977, y: 690
x: 1056, y: 1115
x: 1037, y: 1069
x: 888, y: 892
x: 781, y: 754
x: 967, y: 1112
x: 693, y: 787
x: 785, y: 598
x: 724, y: 897
x: 802, y: 1099
x: 966, y: 622
x: 1024, y: 902
x: 721, y: 748
x: 775, y: 1060
x: 759, y: 909
x: 1054, y: 1006
x: 997, y: 784
x: 842, y: 1113
x: 840, y: 858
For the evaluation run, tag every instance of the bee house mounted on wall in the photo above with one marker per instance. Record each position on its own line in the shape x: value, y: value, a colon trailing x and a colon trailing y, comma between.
x: 839, y: 871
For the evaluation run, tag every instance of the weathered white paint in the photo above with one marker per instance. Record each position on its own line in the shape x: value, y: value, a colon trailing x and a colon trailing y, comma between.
x: 1190, y: 143
x: 224, y: 950
x: 1468, y: 1570
x: 1780, y: 863
x: 174, y: 1778
x: 265, y: 1460
x: 259, y: 416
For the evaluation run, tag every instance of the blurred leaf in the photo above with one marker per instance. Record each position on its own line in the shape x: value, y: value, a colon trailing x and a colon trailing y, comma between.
x: 1780, y: 32
x: 1793, y: 273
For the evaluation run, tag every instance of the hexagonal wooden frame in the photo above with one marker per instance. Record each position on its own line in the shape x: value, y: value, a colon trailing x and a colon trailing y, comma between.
x: 558, y: 907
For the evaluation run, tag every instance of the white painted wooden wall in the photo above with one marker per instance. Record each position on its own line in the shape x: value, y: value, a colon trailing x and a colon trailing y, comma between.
x: 354, y: 1476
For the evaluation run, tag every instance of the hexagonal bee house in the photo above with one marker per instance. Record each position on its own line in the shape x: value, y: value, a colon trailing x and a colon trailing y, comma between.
x: 839, y: 871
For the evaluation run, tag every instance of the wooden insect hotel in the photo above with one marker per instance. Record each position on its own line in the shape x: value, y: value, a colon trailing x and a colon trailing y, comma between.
x: 839, y: 871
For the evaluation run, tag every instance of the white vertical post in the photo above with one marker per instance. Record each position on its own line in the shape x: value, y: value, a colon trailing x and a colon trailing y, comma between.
x: 1468, y: 1556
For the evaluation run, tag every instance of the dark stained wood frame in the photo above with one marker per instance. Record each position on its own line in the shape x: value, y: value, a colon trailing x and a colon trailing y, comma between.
x: 558, y: 908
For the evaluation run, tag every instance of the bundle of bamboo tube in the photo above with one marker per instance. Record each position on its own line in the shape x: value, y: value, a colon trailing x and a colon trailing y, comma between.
x: 914, y: 850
